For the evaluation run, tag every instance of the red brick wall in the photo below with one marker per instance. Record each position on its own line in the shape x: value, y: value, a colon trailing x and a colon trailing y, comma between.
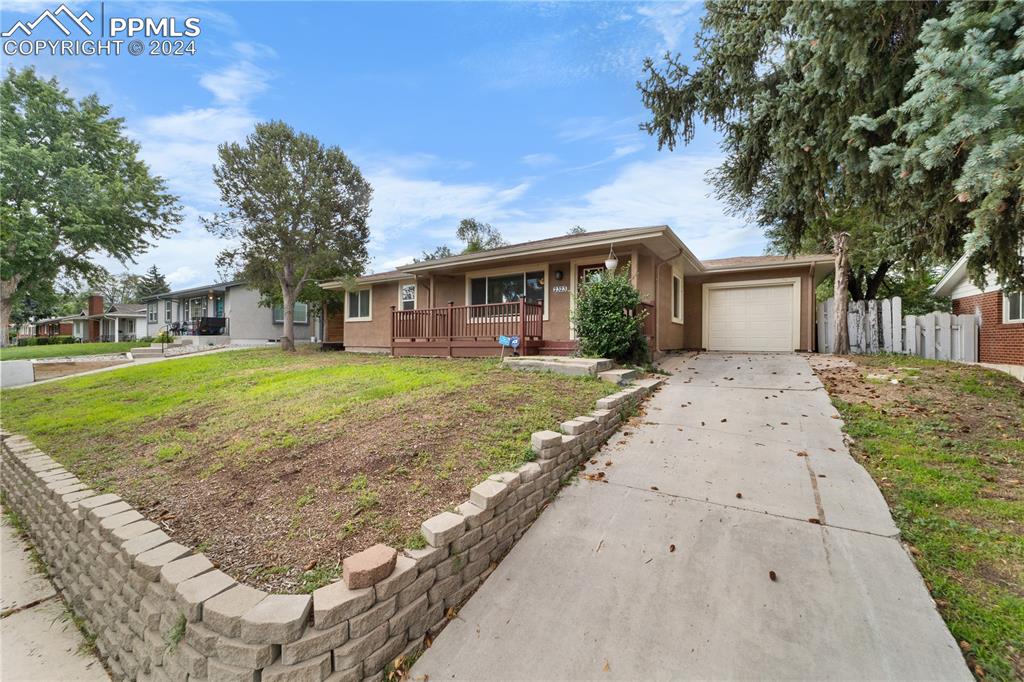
x: 997, y: 342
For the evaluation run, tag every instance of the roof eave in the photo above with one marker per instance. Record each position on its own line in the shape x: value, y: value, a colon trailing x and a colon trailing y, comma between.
x: 944, y: 287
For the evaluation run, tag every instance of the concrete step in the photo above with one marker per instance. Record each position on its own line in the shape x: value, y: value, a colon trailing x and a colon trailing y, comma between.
x: 618, y: 376
x: 147, y: 352
x: 559, y: 364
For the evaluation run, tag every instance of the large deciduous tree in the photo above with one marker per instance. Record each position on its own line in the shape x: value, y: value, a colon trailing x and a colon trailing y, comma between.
x: 297, y: 211
x: 475, y: 234
x: 71, y: 185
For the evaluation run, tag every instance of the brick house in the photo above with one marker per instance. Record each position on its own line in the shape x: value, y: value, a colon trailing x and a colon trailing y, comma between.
x: 459, y: 306
x: 1000, y: 317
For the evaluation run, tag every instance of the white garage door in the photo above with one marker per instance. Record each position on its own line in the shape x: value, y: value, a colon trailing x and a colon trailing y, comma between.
x: 752, y: 318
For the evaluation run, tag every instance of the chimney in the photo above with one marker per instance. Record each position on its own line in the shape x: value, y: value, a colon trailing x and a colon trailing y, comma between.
x: 95, y: 304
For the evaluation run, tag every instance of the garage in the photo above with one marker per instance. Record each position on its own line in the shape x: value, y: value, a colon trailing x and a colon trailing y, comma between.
x: 752, y: 316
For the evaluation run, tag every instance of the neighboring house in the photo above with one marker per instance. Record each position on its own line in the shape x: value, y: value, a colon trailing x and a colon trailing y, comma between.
x: 1000, y: 317
x: 54, y: 326
x: 119, y: 322
x: 228, y: 312
x: 459, y: 305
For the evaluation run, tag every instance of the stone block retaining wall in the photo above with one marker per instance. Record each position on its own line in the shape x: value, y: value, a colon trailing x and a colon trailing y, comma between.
x: 163, y: 612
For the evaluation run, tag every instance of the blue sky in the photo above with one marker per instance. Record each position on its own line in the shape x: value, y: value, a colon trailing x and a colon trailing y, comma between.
x: 521, y: 115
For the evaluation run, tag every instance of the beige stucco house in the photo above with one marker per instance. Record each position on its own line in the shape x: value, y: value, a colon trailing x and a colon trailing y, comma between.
x: 459, y: 306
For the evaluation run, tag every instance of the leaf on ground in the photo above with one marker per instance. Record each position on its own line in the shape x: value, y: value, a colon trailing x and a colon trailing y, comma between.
x: 772, y: 576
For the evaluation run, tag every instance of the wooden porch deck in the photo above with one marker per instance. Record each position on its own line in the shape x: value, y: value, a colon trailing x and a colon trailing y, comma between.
x: 472, y: 331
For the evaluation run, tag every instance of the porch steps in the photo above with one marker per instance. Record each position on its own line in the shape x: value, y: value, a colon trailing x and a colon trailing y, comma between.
x: 579, y: 367
x: 561, y: 348
x: 150, y: 352
x: 619, y: 376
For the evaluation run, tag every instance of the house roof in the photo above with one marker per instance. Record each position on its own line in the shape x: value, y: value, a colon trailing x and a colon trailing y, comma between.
x: 953, y: 277
x: 206, y: 288
x: 762, y: 262
x: 661, y: 236
x: 127, y: 309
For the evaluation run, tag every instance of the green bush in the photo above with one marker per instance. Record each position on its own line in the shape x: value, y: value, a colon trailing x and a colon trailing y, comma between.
x: 609, y: 321
x: 162, y: 337
x: 67, y: 338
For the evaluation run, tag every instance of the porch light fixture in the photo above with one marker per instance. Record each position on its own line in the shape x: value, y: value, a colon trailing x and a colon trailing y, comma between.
x: 559, y: 275
x: 611, y: 262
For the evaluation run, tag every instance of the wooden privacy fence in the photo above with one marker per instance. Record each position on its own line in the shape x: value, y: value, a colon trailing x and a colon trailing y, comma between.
x: 880, y: 326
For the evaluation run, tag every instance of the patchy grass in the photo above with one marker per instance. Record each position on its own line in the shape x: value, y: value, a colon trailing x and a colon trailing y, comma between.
x: 283, y: 464
x: 946, y: 446
x: 61, y: 350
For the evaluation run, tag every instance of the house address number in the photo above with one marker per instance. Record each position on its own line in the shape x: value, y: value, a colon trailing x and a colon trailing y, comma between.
x: 559, y: 289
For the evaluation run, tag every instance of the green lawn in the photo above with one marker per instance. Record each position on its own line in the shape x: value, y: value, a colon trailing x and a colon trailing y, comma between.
x: 946, y: 446
x: 279, y: 465
x: 66, y: 349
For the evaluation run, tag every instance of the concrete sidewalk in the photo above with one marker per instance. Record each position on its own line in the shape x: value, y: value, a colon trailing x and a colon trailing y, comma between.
x: 38, y: 641
x: 735, y: 539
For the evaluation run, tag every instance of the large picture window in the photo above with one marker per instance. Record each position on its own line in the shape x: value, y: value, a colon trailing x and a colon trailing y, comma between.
x: 358, y: 305
x: 407, y: 296
x: 508, y: 288
x: 1013, y: 307
x: 301, y: 313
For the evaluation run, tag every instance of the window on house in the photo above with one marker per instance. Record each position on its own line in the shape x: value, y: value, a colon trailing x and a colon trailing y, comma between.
x: 167, y: 311
x: 1013, y: 307
x: 151, y: 308
x: 301, y: 313
x: 507, y: 288
x: 359, y: 305
x: 677, y: 299
x: 407, y: 297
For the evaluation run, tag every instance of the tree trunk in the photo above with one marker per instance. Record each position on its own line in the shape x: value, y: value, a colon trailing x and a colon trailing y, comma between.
x: 840, y: 247
x: 875, y: 281
x: 288, y: 332
x: 7, y: 289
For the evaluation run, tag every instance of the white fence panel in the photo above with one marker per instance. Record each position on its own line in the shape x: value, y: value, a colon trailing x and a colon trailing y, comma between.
x: 887, y: 325
x: 897, y: 324
x: 877, y: 326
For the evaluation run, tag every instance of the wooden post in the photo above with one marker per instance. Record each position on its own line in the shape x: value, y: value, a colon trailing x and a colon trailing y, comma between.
x: 887, y: 330
x: 451, y: 313
x: 392, y: 330
x: 522, y: 326
x: 897, y: 324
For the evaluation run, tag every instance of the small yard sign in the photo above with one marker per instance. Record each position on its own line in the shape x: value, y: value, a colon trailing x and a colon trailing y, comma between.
x: 509, y: 341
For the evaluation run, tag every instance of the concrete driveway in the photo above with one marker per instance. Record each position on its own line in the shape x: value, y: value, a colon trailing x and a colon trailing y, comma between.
x: 735, y: 539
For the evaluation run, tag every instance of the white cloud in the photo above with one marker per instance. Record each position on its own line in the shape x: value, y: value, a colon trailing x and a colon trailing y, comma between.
x: 236, y: 83
x: 669, y: 19
x: 670, y: 189
x: 182, y: 276
x: 537, y: 160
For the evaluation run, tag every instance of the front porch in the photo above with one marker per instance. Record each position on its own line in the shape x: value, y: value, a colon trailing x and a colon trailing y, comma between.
x: 473, y: 331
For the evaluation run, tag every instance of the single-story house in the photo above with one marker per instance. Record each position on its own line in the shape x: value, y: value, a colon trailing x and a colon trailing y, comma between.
x: 227, y: 312
x: 54, y: 326
x: 117, y: 322
x: 460, y: 305
x: 1000, y: 316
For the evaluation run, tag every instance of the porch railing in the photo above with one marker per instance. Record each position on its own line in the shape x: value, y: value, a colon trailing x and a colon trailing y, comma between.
x: 469, y: 323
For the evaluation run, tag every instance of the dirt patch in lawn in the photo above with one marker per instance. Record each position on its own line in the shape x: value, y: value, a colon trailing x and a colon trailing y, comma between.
x: 52, y: 370
x: 278, y: 466
x: 945, y: 443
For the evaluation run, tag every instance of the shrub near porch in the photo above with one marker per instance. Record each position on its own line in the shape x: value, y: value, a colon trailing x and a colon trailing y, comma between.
x: 279, y: 465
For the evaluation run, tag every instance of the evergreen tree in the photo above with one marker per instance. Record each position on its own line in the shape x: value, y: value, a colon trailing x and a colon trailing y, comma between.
x: 959, y: 137
x: 152, y: 283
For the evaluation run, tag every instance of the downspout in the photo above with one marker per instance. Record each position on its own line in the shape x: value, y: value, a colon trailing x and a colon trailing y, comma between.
x: 812, y: 338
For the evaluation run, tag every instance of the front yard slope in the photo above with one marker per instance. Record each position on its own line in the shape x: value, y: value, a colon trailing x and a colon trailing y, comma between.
x: 279, y: 465
x: 945, y: 443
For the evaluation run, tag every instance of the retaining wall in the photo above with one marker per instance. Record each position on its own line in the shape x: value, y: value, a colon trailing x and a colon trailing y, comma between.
x: 164, y: 612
